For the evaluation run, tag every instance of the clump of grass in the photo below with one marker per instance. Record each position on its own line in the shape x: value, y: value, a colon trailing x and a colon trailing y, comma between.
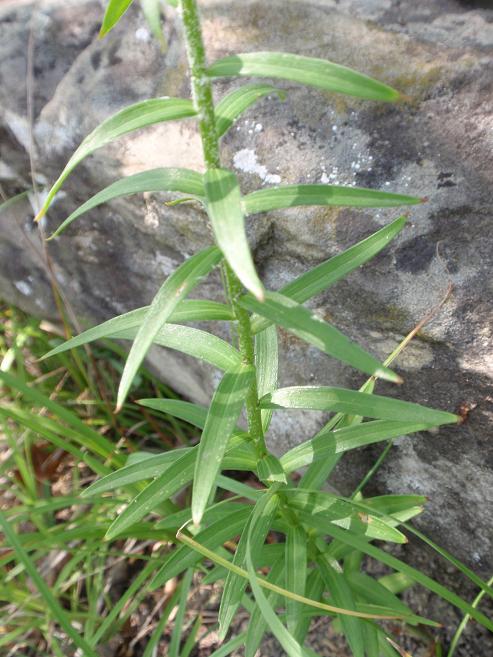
x: 58, y: 431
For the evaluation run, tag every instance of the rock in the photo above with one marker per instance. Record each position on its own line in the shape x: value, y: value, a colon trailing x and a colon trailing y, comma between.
x: 438, y: 144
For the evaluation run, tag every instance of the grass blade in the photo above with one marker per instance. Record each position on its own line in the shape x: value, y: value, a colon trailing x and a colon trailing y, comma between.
x: 222, y: 416
x: 309, y: 71
x: 174, y: 289
x: 329, y: 272
x: 174, y: 645
x: 236, y: 102
x: 133, y: 117
x: 352, y: 402
x: 224, y: 208
x: 184, y: 181
x: 291, y: 196
x: 303, y: 323
x: 56, y: 610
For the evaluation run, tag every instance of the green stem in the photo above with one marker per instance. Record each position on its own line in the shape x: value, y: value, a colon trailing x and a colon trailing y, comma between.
x: 204, y: 106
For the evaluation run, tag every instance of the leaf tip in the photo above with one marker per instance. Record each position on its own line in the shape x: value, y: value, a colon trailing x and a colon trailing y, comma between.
x: 424, y: 199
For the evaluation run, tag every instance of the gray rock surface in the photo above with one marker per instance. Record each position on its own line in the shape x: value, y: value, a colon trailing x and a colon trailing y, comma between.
x: 438, y: 144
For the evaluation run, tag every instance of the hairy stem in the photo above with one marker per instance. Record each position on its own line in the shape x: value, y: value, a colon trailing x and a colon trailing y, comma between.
x: 204, y: 106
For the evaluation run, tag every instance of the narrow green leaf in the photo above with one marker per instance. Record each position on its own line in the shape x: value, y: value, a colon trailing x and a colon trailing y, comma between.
x: 257, y: 625
x: 223, y: 414
x: 309, y: 71
x: 169, y: 482
x: 267, y: 365
x: 151, y: 647
x: 149, y: 468
x: 174, y: 289
x: 194, y: 342
x: 91, y: 439
x: 52, y: 604
x: 341, y: 595
x: 359, y: 543
x: 184, y: 181
x: 114, y: 11
x: 295, y: 574
x: 174, y: 644
x: 270, y: 471
x: 342, y: 440
x: 303, y: 323
x: 236, y: 102
x: 374, y: 593
x: 234, y: 585
x: 324, y: 398
x: 224, y: 208
x: 152, y: 12
x: 133, y: 117
x: 291, y: 196
x: 314, y: 588
x: 191, y: 413
x: 188, y: 310
x: 316, y: 508
x: 231, y: 645
x: 329, y: 272
x: 220, y: 531
x: 285, y: 638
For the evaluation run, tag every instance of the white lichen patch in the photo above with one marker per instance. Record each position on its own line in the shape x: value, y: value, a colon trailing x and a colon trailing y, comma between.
x: 247, y: 162
x: 24, y: 288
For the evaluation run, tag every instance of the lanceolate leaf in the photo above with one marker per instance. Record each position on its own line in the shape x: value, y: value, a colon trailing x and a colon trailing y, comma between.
x: 236, y: 102
x: 290, y: 196
x: 341, y: 595
x: 359, y: 543
x: 191, y: 341
x: 234, y: 585
x: 306, y: 325
x: 295, y: 573
x: 226, y: 215
x: 351, y: 402
x: 218, y: 532
x: 305, y: 70
x: 223, y: 414
x: 285, y: 638
x: 184, y: 181
x: 148, y: 468
x: 173, y: 290
x: 191, y: 413
x: 188, y: 310
x: 343, y: 440
x: 180, y: 473
x: 114, y: 11
x: 266, y: 363
x: 139, y: 115
x: 329, y: 272
x: 257, y: 625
